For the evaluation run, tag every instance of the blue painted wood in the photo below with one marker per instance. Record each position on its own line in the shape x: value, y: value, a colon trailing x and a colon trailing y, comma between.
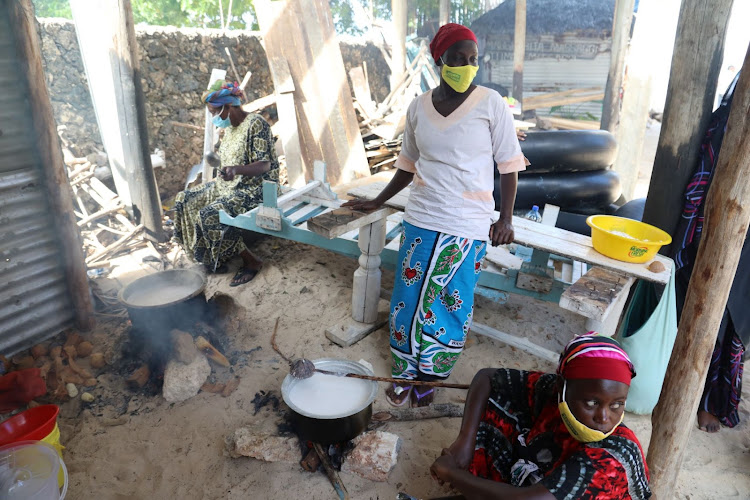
x: 309, y: 216
x: 270, y: 191
x: 295, y: 208
x: 497, y: 296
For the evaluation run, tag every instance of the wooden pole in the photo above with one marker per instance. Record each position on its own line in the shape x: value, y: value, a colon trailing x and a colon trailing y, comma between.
x: 109, y: 49
x: 727, y: 219
x: 696, y: 63
x: 620, y: 35
x: 445, y: 12
x: 23, y: 24
x: 519, y: 49
x: 398, y: 52
x: 637, y: 95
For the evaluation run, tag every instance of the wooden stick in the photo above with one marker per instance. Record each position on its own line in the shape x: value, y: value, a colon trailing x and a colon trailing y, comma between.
x: 100, y: 213
x: 333, y: 476
x: 81, y: 178
x: 114, y: 246
x: 448, y: 410
x: 400, y: 381
x: 186, y: 125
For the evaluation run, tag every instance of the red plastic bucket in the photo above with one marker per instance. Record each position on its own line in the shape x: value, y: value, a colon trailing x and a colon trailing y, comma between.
x: 33, y: 424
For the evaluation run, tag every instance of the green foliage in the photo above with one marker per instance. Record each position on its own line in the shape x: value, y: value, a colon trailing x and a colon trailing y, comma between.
x: 180, y: 13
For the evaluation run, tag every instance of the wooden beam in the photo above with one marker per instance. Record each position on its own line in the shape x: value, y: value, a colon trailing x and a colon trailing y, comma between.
x: 109, y: 50
x: 519, y: 49
x: 301, y: 32
x: 623, y: 19
x: 696, y: 63
x: 23, y: 25
x: 727, y: 219
x: 445, y: 12
x: 398, y: 51
x: 636, y: 97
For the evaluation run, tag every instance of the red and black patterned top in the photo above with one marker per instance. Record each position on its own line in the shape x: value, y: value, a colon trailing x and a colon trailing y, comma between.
x: 522, y: 423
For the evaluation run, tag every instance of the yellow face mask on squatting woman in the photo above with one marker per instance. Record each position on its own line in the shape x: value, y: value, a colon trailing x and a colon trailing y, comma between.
x: 578, y: 430
x: 459, y: 77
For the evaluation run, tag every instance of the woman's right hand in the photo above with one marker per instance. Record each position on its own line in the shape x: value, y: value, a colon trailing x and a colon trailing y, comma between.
x: 362, y: 205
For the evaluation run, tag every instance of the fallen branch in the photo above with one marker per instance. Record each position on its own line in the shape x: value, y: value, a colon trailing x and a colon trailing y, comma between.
x: 96, y: 215
x: 108, y: 250
x: 449, y: 410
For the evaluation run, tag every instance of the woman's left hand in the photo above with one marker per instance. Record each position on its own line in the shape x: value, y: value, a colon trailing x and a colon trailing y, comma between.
x: 501, y: 233
x: 442, y: 467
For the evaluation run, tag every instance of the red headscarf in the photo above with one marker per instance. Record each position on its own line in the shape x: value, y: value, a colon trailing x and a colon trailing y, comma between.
x: 597, y: 357
x: 447, y: 35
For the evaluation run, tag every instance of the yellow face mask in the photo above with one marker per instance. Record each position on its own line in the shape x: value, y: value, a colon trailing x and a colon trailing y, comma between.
x: 578, y: 430
x: 459, y: 77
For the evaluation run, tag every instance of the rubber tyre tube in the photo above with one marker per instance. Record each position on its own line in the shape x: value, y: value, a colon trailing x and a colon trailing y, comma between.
x: 568, y: 151
x: 570, y: 191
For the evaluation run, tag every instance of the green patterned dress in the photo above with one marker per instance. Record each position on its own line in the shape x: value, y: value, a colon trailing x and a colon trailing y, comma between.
x: 196, y: 221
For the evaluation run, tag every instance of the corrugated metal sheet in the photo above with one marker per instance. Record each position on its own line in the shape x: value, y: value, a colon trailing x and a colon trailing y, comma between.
x: 34, y: 301
x: 558, y: 63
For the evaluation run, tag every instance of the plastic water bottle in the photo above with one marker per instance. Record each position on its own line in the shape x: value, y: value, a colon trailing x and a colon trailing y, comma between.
x: 522, y: 251
x: 534, y: 214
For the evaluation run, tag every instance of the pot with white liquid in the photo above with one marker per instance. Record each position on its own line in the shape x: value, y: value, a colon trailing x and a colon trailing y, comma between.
x: 329, y: 409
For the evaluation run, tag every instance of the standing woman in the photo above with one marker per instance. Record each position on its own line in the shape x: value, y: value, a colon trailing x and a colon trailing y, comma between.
x: 248, y: 157
x: 453, y: 135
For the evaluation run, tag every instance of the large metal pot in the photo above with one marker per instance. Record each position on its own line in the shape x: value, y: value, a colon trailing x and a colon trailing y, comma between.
x: 334, y: 428
x: 160, y: 302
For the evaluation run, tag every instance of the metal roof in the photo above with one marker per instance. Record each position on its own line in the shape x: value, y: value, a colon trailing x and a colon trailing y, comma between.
x: 34, y: 302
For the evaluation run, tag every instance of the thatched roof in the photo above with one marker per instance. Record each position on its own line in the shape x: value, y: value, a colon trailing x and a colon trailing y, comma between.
x: 549, y: 16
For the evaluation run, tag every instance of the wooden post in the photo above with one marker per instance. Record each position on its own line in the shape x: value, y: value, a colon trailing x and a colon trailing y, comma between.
x: 398, y: 51
x: 366, y: 285
x: 696, y: 64
x: 106, y: 38
x: 620, y: 35
x: 445, y: 12
x: 636, y: 98
x: 727, y: 219
x: 208, y: 129
x: 23, y: 24
x: 301, y: 32
x: 519, y: 49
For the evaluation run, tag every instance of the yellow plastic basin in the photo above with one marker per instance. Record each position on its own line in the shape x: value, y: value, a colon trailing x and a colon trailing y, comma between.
x: 626, y: 239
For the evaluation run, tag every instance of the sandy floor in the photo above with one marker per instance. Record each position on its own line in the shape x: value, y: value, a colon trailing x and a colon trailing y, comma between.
x: 128, y: 445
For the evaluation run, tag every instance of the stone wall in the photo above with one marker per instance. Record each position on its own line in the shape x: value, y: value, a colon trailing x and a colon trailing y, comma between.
x: 175, y: 66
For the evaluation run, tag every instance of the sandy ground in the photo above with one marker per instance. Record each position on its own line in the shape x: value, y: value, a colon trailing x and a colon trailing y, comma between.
x: 136, y: 445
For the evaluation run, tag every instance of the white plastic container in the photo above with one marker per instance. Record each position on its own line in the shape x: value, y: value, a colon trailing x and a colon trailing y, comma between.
x: 28, y: 471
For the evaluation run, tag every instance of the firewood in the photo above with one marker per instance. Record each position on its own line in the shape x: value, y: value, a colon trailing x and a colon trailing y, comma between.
x: 210, y: 351
x: 230, y: 387
x: 311, y: 462
x: 23, y: 362
x: 212, y: 388
x: 55, y: 352
x: 421, y: 413
x: 68, y: 376
x: 79, y: 369
x: 139, y: 377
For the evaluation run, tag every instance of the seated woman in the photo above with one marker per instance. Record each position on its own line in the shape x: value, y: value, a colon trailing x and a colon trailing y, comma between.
x: 533, y: 435
x: 248, y: 158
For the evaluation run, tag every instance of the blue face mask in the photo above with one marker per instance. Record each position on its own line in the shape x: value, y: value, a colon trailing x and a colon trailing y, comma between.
x: 219, y: 122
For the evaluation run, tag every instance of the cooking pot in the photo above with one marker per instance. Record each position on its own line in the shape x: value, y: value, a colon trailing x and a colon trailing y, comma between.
x: 329, y: 429
x: 160, y: 302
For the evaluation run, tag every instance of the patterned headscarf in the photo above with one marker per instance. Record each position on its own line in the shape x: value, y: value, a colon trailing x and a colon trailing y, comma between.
x: 221, y: 93
x: 447, y: 35
x: 595, y: 356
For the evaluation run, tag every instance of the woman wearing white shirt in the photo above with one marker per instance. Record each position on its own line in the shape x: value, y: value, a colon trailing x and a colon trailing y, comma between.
x: 453, y: 136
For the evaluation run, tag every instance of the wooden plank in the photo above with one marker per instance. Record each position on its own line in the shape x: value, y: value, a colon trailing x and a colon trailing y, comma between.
x: 563, y: 98
x: 519, y: 342
x: 551, y: 239
x: 595, y: 293
x: 519, y: 51
x: 362, y: 91
x: 566, y: 124
x: 623, y: 20
x: 258, y: 104
x: 501, y: 256
x: 337, y: 222
x: 302, y: 32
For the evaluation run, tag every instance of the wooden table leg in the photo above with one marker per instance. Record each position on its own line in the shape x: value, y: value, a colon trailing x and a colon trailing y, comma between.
x: 366, y: 285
